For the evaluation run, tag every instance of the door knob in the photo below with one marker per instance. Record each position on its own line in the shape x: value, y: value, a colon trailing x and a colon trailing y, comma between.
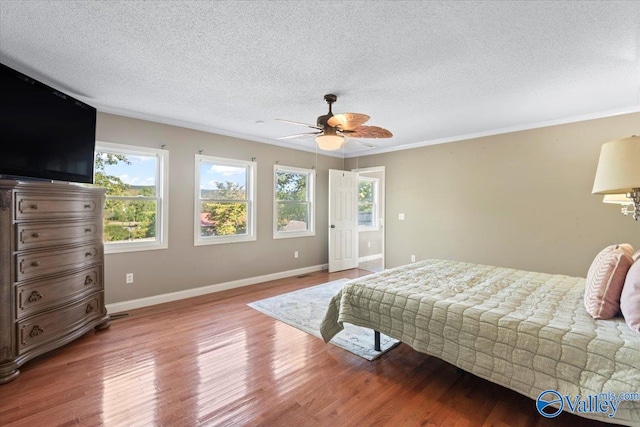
x: 333, y: 226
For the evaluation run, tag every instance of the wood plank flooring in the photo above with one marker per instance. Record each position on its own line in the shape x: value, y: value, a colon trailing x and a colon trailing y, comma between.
x: 212, y: 360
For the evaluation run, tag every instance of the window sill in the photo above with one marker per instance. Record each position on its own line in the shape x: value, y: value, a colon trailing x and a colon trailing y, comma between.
x: 221, y: 240
x: 290, y: 235
x: 120, y: 248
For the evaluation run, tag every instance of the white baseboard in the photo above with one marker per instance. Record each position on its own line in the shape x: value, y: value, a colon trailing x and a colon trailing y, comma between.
x: 118, y: 307
x: 369, y: 258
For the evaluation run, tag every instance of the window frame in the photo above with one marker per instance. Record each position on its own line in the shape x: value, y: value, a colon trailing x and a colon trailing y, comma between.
x: 311, y: 201
x: 161, y: 198
x: 250, y: 191
x: 375, y: 204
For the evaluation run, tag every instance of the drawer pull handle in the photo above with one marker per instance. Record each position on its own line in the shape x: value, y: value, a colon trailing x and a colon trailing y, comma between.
x: 87, y: 230
x: 90, y: 309
x: 35, y: 264
x: 88, y: 254
x: 35, y: 296
x: 34, y: 206
x: 87, y: 205
x: 36, y: 234
x: 37, y: 330
x: 88, y: 280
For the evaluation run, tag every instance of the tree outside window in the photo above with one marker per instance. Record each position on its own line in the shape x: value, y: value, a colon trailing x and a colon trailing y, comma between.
x: 134, y: 198
x: 367, y: 202
x: 225, y: 207
x: 293, y: 197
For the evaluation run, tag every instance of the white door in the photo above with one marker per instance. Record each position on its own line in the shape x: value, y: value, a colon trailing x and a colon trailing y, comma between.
x: 343, y: 220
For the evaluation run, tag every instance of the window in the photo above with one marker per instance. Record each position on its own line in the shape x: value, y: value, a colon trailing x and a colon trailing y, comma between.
x: 225, y: 200
x: 367, y: 203
x: 135, y: 214
x: 294, y: 202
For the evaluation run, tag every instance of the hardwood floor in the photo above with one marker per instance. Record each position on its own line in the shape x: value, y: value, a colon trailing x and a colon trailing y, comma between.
x: 212, y: 360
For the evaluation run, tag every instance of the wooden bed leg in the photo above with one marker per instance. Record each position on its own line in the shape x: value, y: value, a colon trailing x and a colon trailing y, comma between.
x: 376, y: 341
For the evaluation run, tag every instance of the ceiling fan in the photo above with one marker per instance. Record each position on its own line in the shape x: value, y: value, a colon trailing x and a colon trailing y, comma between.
x: 331, y: 129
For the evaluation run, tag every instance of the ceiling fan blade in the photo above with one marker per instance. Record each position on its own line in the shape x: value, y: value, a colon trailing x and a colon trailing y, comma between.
x: 369, y: 132
x: 347, y: 121
x: 300, y: 135
x: 299, y: 124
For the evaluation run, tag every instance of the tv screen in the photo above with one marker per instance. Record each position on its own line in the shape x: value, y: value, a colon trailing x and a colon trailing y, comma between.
x: 45, y: 133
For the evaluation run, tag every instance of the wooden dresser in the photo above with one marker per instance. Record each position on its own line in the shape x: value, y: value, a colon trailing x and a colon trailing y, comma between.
x: 51, y: 268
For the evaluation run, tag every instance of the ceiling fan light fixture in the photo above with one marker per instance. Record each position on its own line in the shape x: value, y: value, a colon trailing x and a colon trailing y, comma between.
x: 330, y: 142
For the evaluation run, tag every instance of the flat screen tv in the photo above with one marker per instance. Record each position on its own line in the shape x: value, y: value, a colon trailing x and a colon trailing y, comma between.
x: 45, y: 134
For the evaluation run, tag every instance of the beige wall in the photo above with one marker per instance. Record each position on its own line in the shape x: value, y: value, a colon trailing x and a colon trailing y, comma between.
x: 369, y: 243
x: 520, y: 200
x: 183, y: 266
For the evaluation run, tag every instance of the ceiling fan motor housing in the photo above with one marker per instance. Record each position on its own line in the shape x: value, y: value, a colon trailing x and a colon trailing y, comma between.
x: 322, y: 120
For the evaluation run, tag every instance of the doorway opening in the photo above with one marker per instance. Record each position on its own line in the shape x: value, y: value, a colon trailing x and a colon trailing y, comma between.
x: 356, y: 219
x: 371, y: 217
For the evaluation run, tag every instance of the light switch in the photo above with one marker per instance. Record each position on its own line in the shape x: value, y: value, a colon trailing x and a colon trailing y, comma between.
x: 401, y: 217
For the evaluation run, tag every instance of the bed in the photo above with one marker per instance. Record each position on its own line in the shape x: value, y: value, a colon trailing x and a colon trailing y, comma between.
x: 523, y: 330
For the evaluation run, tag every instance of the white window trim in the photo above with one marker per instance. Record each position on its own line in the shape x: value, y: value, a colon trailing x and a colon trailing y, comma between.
x: 162, y: 180
x: 252, y: 167
x: 311, y: 195
x: 376, y: 204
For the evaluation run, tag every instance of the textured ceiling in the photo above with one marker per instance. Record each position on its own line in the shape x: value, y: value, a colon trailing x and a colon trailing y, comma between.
x: 430, y: 72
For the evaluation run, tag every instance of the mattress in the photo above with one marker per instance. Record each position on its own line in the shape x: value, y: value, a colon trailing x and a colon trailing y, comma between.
x: 523, y: 330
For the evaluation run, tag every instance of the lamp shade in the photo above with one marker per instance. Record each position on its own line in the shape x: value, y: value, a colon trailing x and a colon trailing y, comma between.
x: 618, y: 167
x: 329, y: 142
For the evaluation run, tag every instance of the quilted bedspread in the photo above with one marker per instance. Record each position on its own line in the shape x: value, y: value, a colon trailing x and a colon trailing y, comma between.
x: 523, y: 330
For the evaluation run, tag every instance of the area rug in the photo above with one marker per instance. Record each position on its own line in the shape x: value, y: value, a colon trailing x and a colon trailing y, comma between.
x: 305, y: 309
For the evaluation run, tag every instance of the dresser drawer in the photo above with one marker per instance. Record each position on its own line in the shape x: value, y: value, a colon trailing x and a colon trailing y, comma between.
x: 36, y: 206
x: 42, y: 295
x: 32, y: 236
x: 56, y: 261
x: 51, y: 325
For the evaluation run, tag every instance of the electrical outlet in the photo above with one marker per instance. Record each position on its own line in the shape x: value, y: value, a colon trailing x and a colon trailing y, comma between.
x: 368, y: 244
x: 129, y: 278
x: 401, y: 216
x: 295, y: 254
x: 413, y: 258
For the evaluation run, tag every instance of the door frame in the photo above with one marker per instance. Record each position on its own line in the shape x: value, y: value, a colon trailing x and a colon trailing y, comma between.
x: 382, y: 209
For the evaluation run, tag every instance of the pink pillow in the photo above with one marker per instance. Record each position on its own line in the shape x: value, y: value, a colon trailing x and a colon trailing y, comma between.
x: 630, y: 298
x: 605, y: 280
